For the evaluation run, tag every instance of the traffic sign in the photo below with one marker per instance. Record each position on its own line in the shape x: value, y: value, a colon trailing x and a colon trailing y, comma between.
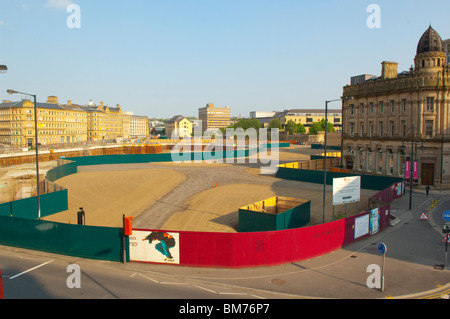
x: 424, y: 216
x: 382, y: 248
x: 446, y: 215
x: 446, y: 239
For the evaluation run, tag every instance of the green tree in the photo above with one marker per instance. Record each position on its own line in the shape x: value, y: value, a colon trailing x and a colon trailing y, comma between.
x: 248, y: 123
x: 291, y: 127
x: 301, y: 129
x: 275, y: 123
x: 320, y: 127
x: 315, y: 127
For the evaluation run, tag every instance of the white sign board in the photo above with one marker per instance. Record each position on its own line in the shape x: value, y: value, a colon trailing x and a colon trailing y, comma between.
x: 346, y: 190
x: 361, y: 226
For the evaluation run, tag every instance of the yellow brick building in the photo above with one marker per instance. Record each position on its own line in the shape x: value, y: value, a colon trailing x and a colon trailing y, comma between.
x: 179, y: 126
x: 308, y: 116
x: 63, y: 124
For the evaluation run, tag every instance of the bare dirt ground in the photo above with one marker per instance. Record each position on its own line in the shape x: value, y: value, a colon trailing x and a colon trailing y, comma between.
x: 191, y: 197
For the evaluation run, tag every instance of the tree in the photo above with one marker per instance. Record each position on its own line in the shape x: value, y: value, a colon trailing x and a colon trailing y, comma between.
x: 275, y: 123
x: 301, y: 129
x: 320, y: 127
x: 248, y: 123
x: 291, y: 127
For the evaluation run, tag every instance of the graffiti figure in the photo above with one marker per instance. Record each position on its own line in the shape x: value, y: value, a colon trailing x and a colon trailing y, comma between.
x: 166, y: 241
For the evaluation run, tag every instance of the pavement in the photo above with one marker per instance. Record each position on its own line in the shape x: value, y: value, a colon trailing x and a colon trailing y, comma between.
x: 410, y: 269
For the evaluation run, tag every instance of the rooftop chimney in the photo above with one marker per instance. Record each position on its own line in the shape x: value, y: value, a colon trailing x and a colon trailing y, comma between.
x: 389, y: 70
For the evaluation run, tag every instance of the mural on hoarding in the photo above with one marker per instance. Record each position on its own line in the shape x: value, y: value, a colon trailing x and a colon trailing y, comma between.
x: 155, y: 246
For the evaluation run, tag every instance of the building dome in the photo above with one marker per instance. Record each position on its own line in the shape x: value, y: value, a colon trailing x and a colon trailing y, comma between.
x: 430, y: 41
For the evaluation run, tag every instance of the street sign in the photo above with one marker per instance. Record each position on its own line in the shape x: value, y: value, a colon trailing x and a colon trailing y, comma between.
x: 424, y: 216
x: 446, y: 239
x: 446, y: 215
x: 382, y: 248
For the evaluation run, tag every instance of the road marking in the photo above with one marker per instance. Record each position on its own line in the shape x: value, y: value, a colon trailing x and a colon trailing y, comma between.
x: 34, y: 268
x: 211, y: 291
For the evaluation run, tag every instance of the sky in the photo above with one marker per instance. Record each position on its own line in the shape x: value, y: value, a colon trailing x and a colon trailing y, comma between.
x: 162, y: 58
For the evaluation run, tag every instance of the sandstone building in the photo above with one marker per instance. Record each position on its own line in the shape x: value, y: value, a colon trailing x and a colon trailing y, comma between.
x: 389, y: 112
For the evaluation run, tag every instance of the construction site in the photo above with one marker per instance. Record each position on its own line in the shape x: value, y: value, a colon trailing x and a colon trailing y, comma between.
x: 169, y: 195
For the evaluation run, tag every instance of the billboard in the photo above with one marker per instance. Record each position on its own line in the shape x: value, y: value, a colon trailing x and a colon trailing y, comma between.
x: 346, y: 190
x: 155, y: 246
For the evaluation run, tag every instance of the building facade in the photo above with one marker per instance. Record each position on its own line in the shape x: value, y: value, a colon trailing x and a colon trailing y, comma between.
x: 63, y: 124
x: 138, y: 126
x: 307, y: 117
x: 179, y: 127
x: 399, y: 117
x: 214, y: 117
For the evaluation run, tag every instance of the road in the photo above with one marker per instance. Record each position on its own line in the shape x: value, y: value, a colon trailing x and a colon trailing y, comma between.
x: 414, y: 249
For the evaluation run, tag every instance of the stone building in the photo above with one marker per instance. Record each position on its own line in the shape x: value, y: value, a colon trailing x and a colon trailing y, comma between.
x: 214, y: 117
x: 391, y: 114
x: 179, y: 127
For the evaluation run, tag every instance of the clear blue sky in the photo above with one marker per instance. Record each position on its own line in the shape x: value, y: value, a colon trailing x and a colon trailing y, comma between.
x: 161, y: 58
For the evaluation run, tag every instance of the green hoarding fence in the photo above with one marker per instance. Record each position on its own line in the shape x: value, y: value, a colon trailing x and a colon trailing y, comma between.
x: 101, y: 243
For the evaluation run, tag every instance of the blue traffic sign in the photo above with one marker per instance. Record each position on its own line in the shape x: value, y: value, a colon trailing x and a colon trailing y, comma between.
x: 382, y: 248
x: 446, y: 215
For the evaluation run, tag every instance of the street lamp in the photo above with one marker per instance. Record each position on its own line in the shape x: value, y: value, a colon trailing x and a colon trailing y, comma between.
x: 411, y: 160
x: 36, y: 145
x: 326, y: 146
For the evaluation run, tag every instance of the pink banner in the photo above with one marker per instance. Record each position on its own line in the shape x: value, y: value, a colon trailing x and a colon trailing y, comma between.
x: 408, y: 170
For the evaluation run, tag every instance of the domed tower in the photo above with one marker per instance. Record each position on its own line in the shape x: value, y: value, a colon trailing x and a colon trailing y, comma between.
x: 430, y: 57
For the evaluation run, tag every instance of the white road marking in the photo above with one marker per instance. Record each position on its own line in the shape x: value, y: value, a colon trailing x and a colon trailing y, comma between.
x: 34, y: 268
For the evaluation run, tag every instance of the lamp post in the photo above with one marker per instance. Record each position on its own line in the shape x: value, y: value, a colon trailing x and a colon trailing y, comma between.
x: 36, y: 146
x: 411, y: 160
x: 325, y: 155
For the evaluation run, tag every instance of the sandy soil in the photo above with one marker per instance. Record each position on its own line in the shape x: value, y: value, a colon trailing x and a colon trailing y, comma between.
x: 106, y: 196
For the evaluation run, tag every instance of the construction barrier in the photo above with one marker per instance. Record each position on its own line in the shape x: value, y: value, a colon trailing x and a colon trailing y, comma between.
x: 270, y: 248
x: 2, y: 295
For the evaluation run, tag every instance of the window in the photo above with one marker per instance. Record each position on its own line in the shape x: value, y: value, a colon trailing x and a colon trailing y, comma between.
x: 381, y: 104
x: 361, y: 129
x: 370, y: 129
x: 352, y: 129
x: 401, y: 163
x: 361, y: 159
x: 403, y: 126
x: 369, y: 159
x: 429, y: 129
x: 371, y: 107
x: 379, y: 160
x: 390, y: 162
x: 381, y: 128
x: 430, y: 104
x: 361, y: 106
x: 392, y: 106
x: 352, y: 109
x: 392, y: 126
x: 404, y: 105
